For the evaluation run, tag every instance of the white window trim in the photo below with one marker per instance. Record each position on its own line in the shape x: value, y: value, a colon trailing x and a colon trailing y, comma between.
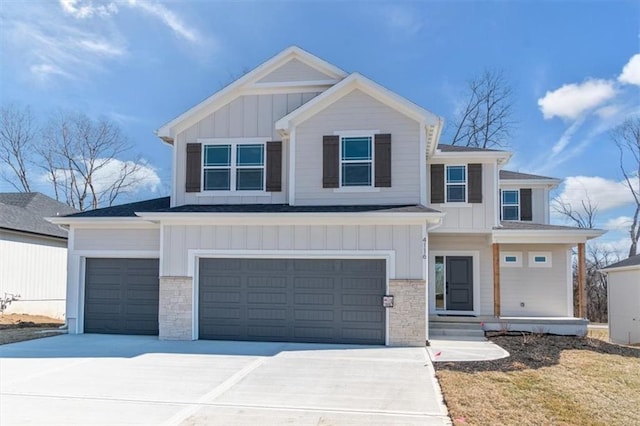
x: 234, y: 142
x: 352, y: 134
x: 516, y: 254
x: 502, y: 205
x: 534, y: 264
x: 466, y: 186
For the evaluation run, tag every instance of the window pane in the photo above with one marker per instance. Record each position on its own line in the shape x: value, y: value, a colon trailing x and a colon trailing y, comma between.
x: 356, y: 148
x: 217, y: 179
x: 540, y: 259
x: 510, y: 197
x: 439, y: 269
x: 510, y: 213
x: 249, y: 179
x: 356, y: 174
x: 456, y: 193
x: 217, y: 155
x: 250, y: 155
x: 456, y: 174
x: 510, y: 259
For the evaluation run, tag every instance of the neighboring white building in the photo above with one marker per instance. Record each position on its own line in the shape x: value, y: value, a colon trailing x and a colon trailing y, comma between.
x: 623, y: 299
x: 33, y: 254
x: 301, y: 196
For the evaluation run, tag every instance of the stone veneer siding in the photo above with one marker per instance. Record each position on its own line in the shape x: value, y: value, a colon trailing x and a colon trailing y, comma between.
x: 407, y: 318
x: 175, y: 311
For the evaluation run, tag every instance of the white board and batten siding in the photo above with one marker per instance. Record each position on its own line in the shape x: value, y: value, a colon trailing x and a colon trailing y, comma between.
x: 250, y: 116
x: 404, y: 240
x: 358, y: 111
x: 36, y: 269
x: 624, y: 306
x: 114, y: 239
x: 544, y: 291
x: 471, y: 216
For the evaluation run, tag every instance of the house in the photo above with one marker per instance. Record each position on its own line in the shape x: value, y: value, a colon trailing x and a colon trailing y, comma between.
x: 33, y: 254
x: 623, y: 300
x: 301, y: 196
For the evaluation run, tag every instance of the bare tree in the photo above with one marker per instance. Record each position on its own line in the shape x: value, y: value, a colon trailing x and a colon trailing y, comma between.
x: 80, y: 157
x: 584, y: 217
x: 487, y: 118
x: 17, y: 133
x: 627, y: 138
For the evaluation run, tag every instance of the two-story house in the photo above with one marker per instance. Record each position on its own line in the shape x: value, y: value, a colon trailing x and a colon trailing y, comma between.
x: 313, y: 205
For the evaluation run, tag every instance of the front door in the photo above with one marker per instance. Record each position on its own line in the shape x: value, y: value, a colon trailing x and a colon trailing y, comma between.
x: 459, y: 283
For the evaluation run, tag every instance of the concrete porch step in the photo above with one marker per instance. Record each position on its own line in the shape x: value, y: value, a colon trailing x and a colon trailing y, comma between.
x: 444, y: 328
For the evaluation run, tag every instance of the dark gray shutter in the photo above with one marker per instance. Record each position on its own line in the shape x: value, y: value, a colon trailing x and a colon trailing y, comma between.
x: 383, y: 160
x: 525, y: 204
x: 194, y: 167
x: 475, y: 183
x: 437, y: 183
x: 500, y: 198
x: 330, y: 161
x: 274, y: 166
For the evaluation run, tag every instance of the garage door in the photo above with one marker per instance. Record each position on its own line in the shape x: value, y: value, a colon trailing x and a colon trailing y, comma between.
x: 121, y: 296
x: 292, y: 300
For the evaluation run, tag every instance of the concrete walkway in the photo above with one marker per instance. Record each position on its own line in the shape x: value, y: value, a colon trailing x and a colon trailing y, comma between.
x: 116, y: 380
x: 462, y: 348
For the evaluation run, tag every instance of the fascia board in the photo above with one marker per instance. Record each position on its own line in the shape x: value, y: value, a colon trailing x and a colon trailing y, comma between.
x: 536, y: 182
x: 293, y: 218
x: 544, y: 236
x: 253, y: 76
x: 98, y: 221
x: 346, y: 86
x: 443, y: 157
x: 620, y: 269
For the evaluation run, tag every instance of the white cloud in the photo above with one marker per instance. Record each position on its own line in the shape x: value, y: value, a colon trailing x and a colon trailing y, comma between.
x: 565, y: 138
x: 604, y: 193
x: 85, y: 9
x: 402, y: 18
x: 631, y: 71
x: 572, y: 100
x: 618, y: 223
x: 102, y: 47
x: 608, y: 111
x: 44, y: 71
x: 169, y: 18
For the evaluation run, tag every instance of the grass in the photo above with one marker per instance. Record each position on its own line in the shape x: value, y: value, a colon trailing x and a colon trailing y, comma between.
x: 548, y: 380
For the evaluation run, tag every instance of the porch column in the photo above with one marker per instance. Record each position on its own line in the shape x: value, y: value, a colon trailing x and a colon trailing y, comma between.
x: 582, y: 276
x: 496, y: 279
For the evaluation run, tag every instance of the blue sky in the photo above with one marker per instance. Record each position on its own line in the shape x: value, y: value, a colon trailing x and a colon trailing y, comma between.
x: 142, y: 62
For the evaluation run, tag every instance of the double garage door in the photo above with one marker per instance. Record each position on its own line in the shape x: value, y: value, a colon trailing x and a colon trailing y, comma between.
x: 288, y: 300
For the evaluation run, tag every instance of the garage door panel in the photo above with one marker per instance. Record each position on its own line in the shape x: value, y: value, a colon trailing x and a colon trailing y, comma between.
x: 298, y: 300
x: 121, y: 296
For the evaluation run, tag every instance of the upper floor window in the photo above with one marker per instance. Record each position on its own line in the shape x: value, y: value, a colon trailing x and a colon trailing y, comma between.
x: 356, y: 161
x: 234, y: 167
x: 456, y: 184
x: 511, y: 204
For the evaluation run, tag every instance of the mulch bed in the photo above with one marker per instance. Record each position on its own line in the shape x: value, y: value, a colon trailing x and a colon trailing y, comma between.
x: 533, y: 351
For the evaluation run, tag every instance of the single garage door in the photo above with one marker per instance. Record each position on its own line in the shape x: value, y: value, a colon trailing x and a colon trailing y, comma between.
x: 121, y: 296
x: 292, y: 300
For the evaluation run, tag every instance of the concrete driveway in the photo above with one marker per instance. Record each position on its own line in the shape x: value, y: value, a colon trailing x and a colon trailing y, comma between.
x: 102, y: 379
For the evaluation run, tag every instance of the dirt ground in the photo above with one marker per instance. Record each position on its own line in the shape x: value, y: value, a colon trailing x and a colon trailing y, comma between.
x: 547, y: 380
x: 19, y: 327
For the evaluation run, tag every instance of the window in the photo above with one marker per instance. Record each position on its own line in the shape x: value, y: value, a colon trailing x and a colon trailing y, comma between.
x: 356, y: 161
x: 439, y: 269
x: 233, y: 167
x: 511, y: 259
x: 511, y: 205
x: 540, y: 259
x: 456, y: 184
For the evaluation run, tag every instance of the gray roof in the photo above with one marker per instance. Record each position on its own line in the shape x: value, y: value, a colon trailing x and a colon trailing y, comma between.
x: 461, y: 148
x: 509, y: 175
x: 530, y: 226
x: 25, y: 212
x: 162, y: 205
x: 127, y: 210
x: 631, y: 261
